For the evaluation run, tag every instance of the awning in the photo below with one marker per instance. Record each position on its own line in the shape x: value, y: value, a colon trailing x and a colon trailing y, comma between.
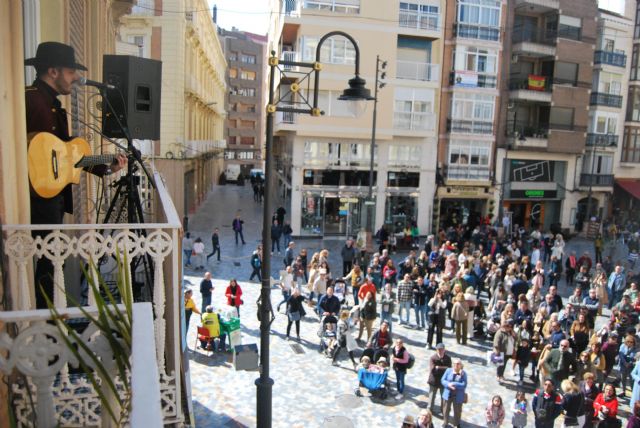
x: 630, y: 186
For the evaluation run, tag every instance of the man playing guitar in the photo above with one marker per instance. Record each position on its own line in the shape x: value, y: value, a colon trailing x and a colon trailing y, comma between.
x: 57, y: 71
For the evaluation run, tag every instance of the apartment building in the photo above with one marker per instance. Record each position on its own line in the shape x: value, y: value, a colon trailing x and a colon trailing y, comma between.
x: 548, y: 66
x: 323, y: 162
x: 244, y: 126
x: 469, y: 111
x: 190, y: 151
x: 626, y: 196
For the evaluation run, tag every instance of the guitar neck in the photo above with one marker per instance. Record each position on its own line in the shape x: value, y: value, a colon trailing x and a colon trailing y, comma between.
x: 93, y: 160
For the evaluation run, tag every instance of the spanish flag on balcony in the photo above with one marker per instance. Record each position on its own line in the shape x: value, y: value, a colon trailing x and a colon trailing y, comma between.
x: 536, y: 83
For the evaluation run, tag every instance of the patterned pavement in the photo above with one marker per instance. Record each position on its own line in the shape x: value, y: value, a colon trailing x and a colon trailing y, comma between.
x: 308, y: 390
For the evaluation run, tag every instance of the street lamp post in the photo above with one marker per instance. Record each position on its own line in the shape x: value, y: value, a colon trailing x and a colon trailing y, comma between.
x: 355, y: 92
x: 380, y: 65
x: 598, y: 141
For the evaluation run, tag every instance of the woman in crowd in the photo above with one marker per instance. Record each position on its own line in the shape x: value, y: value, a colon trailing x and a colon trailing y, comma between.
x: 579, y: 333
x: 356, y: 278
x: 573, y: 404
x: 387, y: 305
x: 389, y: 273
x: 295, y: 311
x: 437, y: 313
x: 345, y: 338
x: 459, y: 314
x: 605, y: 407
x: 189, y: 307
x: 368, y: 314
x: 589, y: 391
x: 234, y: 295
x: 626, y: 359
x: 400, y: 361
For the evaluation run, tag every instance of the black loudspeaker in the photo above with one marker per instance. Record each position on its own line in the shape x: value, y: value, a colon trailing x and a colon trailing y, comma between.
x: 136, y: 99
x: 245, y: 357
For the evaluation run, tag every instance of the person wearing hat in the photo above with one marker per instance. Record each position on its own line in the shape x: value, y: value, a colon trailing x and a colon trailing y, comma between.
x: 56, y: 73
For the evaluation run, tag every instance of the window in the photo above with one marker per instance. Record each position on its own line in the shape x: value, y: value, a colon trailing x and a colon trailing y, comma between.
x: 602, y: 163
x: 636, y: 31
x: 250, y: 141
x: 475, y: 59
x: 403, y: 179
x: 472, y: 107
x: 248, y: 124
x: 245, y: 155
x: 232, y: 140
x: 246, y: 108
x: 336, y: 50
x: 244, y: 92
x: 247, y: 75
x: 566, y: 73
x: 233, y: 73
x: 468, y: 160
x: 139, y: 41
x: 417, y: 15
x: 341, y: 6
x: 606, y: 123
x: 608, y: 83
x: 233, y: 56
x: 413, y: 109
x: 329, y: 103
x: 631, y: 145
x: 561, y: 118
x: 337, y: 154
x: 404, y: 156
x: 248, y: 59
x: 569, y: 27
x: 633, y: 104
x: 635, y: 74
x: 478, y: 19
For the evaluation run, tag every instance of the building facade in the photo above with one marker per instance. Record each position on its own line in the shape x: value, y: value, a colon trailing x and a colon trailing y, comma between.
x: 244, y: 125
x: 469, y: 111
x: 626, y: 197
x: 323, y: 163
x: 191, y: 147
x: 545, y: 110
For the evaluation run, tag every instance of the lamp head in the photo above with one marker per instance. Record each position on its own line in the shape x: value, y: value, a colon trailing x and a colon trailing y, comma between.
x: 356, y: 91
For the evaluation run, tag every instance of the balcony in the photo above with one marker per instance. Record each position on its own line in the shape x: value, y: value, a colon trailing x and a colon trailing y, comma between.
x: 602, y: 140
x: 417, y: 121
x: 417, y: 71
x: 606, y: 100
x: 290, y: 56
x: 615, y: 58
x: 470, y: 126
x: 472, y: 79
x: 538, y: 6
x: 292, y: 8
x: 598, y: 180
x: 527, y: 134
x: 419, y: 21
x: 475, y: 31
x: 532, y: 88
x: 64, y: 399
x: 534, y: 42
x: 467, y: 172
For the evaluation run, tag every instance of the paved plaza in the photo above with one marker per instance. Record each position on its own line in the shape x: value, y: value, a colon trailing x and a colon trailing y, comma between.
x: 308, y: 390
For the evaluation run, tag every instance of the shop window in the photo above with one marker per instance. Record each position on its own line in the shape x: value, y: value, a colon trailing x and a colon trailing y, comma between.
x: 400, y: 211
x: 312, y: 214
x: 334, y: 178
x: 403, y: 179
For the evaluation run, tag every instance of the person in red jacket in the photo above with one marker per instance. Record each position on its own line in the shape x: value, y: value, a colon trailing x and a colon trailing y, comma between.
x: 605, y: 406
x: 367, y: 287
x: 234, y: 294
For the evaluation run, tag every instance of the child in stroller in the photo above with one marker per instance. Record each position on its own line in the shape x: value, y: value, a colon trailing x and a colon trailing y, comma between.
x: 340, y: 290
x: 373, y: 377
x: 327, y: 334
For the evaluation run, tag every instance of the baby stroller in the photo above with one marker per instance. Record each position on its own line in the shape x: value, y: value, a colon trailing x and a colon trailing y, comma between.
x: 478, y: 320
x: 327, y: 333
x: 493, y: 325
x: 376, y: 383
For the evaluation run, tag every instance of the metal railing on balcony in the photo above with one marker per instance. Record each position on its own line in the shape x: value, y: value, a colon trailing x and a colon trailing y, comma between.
x: 482, y: 80
x: 157, y: 242
x: 476, y: 31
x: 530, y: 83
x: 615, y: 58
x: 527, y: 129
x: 286, y: 117
x: 347, y: 6
x: 467, y: 172
x: 602, y: 140
x: 291, y: 8
x: 567, y: 127
x: 290, y: 56
x: 417, y: 121
x: 602, y: 180
x: 418, y: 20
x: 470, y: 126
x: 534, y: 35
x: 417, y: 71
x: 607, y: 100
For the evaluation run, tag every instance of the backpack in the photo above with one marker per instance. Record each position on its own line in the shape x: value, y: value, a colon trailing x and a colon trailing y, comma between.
x: 255, y: 261
x: 412, y: 360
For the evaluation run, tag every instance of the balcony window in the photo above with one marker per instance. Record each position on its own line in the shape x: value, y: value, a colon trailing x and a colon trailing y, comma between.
x: 414, y: 59
x: 244, y: 92
x: 413, y: 109
x: 249, y: 141
x: 337, y: 154
x: 468, y: 160
x: 329, y: 103
x: 631, y: 146
x: 335, y: 50
x: 635, y: 66
x: 565, y: 73
x: 478, y: 19
x: 233, y: 73
x: 569, y: 27
x: 472, y: 113
x: 561, y: 118
x: 608, y: 83
x: 340, y: 6
x: 606, y: 123
x: 418, y: 16
x: 599, y: 164
x: 636, y: 30
x: 247, y: 75
x: 248, y: 59
x: 404, y: 156
x: 633, y: 104
x: 233, y: 56
x: 610, y: 57
x: 479, y: 67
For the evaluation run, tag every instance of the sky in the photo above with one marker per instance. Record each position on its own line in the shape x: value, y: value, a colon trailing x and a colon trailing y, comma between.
x: 246, y: 15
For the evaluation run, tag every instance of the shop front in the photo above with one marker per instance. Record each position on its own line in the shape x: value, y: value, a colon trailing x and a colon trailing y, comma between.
x: 462, y: 205
x: 332, y: 213
x: 531, y: 208
x: 401, y: 211
x: 626, y: 199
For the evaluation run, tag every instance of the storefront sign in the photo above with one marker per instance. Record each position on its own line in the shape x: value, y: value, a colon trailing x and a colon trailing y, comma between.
x: 466, y: 79
x: 531, y: 170
x: 463, y: 191
x: 534, y: 194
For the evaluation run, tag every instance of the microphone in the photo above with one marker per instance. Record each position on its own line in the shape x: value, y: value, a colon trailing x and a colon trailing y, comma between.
x: 86, y: 82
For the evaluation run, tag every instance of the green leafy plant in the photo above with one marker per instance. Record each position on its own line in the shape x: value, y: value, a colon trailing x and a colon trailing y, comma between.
x: 114, y: 325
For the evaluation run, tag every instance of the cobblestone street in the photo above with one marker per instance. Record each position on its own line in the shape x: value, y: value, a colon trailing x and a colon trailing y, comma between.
x: 308, y: 390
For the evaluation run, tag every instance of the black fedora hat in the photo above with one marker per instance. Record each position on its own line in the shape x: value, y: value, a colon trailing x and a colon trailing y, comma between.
x: 55, y: 54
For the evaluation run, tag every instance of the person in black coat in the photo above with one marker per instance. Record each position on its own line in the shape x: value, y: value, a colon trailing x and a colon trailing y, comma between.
x: 295, y: 311
x: 589, y: 391
x: 276, y: 232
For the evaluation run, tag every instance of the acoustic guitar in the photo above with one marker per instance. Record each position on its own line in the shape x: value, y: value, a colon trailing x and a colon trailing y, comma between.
x: 53, y: 163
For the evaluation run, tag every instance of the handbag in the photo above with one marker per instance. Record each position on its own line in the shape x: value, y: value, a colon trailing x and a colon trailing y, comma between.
x: 294, y: 316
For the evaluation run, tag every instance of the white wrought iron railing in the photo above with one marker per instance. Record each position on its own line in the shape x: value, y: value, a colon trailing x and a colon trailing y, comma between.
x: 419, y: 20
x: 89, y: 244
x: 416, y: 121
x: 417, y: 71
